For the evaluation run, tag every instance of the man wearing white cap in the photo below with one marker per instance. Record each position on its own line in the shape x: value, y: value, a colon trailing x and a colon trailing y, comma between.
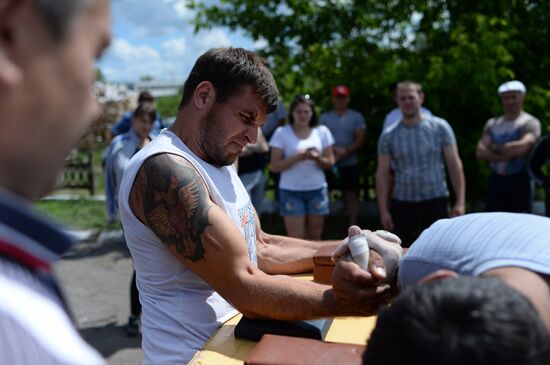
x: 506, y: 143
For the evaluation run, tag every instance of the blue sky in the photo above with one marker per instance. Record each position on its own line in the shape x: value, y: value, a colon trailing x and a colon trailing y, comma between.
x: 155, y: 38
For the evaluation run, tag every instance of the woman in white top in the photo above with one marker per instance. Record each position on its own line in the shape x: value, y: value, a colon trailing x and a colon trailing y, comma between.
x: 300, y: 151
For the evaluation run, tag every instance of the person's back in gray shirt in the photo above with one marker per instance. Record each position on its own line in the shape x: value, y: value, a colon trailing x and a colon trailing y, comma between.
x: 475, y: 243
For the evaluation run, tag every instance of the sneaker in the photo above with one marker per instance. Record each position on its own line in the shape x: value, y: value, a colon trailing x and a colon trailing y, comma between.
x: 132, y: 328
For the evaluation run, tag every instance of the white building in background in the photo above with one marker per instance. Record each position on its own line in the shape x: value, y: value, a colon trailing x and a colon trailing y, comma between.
x: 158, y: 87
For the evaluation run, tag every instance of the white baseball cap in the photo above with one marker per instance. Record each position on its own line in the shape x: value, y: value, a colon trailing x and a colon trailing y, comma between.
x: 514, y: 85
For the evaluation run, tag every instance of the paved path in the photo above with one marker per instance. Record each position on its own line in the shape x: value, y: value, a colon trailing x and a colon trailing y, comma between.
x: 95, y: 277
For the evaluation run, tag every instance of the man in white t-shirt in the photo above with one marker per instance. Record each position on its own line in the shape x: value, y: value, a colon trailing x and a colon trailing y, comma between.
x: 498, y: 306
x: 198, y: 248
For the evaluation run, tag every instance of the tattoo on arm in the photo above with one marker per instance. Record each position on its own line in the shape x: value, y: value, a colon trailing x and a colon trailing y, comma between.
x: 176, y: 204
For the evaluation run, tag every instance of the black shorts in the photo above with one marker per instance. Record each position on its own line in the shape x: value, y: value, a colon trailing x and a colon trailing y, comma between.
x: 509, y: 193
x: 347, y: 179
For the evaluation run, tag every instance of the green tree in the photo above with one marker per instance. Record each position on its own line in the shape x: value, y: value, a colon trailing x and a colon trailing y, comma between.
x: 99, y: 75
x: 460, y: 50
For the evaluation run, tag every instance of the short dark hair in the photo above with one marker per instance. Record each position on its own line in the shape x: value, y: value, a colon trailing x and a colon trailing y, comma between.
x: 303, y: 99
x: 146, y: 110
x: 58, y: 14
x: 145, y: 97
x: 465, y: 320
x: 409, y: 84
x: 230, y: 70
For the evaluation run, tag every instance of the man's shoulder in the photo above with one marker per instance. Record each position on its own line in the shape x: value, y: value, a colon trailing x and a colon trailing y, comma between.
x: 438, y: 123
x: 491, y: 122
x: 31, y: 317
x: 120, y: 140
x: 167, y: 161
x: 391, y: 131
x: 529, y: 118
x: 126, y: 117
x: 436, y: 120
x: 328, y: 116
x: 355, y: 113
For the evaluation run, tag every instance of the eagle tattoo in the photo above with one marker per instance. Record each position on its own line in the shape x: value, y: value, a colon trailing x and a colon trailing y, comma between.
x: 179, y: 216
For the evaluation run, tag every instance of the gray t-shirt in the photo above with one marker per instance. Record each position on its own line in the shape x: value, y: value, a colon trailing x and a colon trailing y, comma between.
x: 343, y: 129
x: 272, y: 121
x: 418, y: 154
x: 475, y: 243
x: 501, y: 131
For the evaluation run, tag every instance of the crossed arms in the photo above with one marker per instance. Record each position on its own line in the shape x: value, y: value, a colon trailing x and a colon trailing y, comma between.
x: 488, y: 151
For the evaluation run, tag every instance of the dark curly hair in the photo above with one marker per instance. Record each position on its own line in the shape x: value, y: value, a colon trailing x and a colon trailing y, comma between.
x: 466, y: 320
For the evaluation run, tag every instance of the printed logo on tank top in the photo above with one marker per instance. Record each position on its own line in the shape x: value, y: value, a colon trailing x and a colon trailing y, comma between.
x: 248, y: 227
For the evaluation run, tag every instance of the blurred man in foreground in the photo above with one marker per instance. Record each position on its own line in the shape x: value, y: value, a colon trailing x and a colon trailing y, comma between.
x: 48, y: 50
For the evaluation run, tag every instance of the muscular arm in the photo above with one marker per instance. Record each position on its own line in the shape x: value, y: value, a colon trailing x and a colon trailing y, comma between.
x: 170, y: 197
x: 484, y: 152
x: 519, y: 148
x: 285, y: 255
x: 456, y: 173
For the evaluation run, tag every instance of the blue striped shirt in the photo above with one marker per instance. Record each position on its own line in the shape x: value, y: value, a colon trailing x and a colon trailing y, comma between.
x: 475, y: 243
x: 418, y: 154
x: 35, y: 327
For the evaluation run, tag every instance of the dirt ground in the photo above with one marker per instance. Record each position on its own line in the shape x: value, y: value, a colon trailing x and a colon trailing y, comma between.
x: 95, y: 277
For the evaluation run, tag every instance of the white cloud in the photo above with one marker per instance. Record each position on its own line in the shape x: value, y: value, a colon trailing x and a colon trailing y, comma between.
x: 213, y: 38
x: 174, y: 48
x: 121, y: 50
x: 259, y: 44
x: 153, y: 18
x: 155, y: 38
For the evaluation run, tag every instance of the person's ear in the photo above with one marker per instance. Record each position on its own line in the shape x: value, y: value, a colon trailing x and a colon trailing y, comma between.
x: 438, y: 275
x: 204, y: 95
x: 10, y: 71
x: 421, y: 95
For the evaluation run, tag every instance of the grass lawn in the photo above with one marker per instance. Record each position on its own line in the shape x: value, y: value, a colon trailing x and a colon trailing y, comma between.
x: 86, y: 213
x: 77, y: 214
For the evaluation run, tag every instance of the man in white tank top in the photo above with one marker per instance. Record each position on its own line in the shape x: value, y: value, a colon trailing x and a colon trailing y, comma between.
x: 494, y: 303
x: 199, y: 252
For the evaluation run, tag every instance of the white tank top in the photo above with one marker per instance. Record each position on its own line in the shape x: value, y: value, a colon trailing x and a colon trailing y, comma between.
x: 180, y: 310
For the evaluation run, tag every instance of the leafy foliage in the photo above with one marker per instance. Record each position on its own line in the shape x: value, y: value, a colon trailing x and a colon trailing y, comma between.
x: 167, y: 106
x: 460, y: 50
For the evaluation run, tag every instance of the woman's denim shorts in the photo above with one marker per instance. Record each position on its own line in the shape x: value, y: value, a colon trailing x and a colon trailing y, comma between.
x: 311, y: 202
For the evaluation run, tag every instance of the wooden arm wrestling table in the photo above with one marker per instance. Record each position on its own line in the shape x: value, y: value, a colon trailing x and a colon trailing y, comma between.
x: 224, y: 348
